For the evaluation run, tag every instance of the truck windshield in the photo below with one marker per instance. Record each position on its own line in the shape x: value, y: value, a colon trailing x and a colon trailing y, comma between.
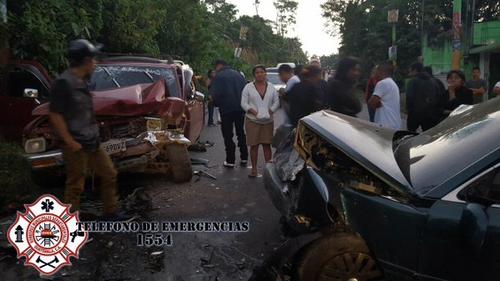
x: 118, y: 76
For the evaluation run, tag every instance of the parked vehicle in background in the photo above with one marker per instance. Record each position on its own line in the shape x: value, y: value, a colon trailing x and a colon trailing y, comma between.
x: 360, y: 202
x: 274, y: 78
x: 148, y: 112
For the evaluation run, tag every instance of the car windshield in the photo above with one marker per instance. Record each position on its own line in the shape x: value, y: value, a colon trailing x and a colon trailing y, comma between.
x: 274, y: 78
x: 107, y: 77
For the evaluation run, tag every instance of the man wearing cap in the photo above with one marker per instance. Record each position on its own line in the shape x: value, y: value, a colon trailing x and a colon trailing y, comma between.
x: 73, y: 118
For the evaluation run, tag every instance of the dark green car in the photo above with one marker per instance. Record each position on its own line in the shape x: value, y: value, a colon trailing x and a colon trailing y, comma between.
x: 378, y: 204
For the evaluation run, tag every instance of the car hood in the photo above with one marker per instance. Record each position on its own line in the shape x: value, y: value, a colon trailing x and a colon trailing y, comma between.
x: 136, y: 100
x: 366, y: 143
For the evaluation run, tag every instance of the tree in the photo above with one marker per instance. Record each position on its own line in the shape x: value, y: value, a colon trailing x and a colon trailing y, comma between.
x: 285, y: 15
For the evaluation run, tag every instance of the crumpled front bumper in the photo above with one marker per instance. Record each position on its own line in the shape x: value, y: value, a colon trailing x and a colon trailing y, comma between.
x: 137, y: 153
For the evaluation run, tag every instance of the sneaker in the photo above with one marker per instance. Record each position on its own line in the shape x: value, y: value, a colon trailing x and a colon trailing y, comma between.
x: 228, y: 165
x: 211, y: 125
x: 244, y: 163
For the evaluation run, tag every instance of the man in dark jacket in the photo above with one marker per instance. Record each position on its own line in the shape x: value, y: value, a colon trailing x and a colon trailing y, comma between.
x: 422, y: 100
x: 226, y: 91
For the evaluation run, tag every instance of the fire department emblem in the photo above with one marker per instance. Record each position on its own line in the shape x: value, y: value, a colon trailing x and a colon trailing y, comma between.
x: 47, y: 235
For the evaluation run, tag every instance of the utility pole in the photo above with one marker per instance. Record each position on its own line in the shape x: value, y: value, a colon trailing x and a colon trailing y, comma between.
x: 392, y: 18
x: 457, y: 35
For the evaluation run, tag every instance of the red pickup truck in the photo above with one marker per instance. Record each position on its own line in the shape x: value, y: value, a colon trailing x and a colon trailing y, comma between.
x: 144, y: 107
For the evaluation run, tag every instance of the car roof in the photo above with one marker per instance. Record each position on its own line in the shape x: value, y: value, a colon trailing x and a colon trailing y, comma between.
x: 465, y: 143
x: 135, y: 60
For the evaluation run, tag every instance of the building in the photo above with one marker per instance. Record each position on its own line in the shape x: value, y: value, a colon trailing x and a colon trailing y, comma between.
x: 484, y: 51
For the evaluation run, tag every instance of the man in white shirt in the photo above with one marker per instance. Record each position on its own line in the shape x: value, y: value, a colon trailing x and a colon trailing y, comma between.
x: 385, y: 98
x: 285, y: 71
x: 496, y: 89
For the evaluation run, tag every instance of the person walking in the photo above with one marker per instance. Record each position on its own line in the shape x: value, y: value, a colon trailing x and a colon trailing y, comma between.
x: 422, y: 100
x: 225, y: 91
x: 341, y: 95
x: 307, y: 96
x: 458, y: 93
x: 385, y: 99
x: 73, y: 119
x: 259, y: 100
x: 477, y: 85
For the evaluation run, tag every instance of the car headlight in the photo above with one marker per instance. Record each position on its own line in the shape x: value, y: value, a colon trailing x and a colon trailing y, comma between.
x: 35, y: 145
x: 154, y: 124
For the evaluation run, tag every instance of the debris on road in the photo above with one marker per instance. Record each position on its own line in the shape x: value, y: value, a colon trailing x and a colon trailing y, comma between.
x: 199, y: 161
x: 203, y: 173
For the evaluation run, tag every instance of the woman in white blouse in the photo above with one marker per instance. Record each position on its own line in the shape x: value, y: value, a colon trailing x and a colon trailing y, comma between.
x: 259, y: 100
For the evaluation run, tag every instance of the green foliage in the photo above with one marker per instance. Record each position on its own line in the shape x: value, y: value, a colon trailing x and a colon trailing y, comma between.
x: 366, y: 34
x: 15, y: 177
x: 197, y: 32
x: 285, y: 18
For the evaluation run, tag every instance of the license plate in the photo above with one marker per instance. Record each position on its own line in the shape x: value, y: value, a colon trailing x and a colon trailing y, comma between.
x: 114, y: 146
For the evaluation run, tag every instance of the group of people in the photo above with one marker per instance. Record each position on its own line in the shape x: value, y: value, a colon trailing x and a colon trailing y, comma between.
x: 248, y: 107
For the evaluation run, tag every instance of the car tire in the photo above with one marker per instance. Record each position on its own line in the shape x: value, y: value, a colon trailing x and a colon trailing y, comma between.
x: 341, y: 257
x: 180, y: 162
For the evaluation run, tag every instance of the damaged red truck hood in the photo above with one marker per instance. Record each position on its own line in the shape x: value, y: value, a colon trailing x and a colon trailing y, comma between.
x: 136, y: 100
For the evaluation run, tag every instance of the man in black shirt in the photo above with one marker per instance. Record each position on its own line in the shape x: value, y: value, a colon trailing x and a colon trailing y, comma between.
x: 73, y: 118
x: 422, y: 100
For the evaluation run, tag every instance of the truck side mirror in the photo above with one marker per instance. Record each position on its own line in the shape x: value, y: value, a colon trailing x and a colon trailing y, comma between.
x: 473, y: 227
x: 30, y: 93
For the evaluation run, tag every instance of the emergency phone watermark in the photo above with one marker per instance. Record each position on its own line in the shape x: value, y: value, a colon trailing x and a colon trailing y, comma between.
x: 47, y: 235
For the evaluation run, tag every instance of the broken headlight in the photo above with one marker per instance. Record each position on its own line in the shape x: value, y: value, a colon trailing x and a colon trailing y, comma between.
x: 35, y: 145
x: 154, y: 124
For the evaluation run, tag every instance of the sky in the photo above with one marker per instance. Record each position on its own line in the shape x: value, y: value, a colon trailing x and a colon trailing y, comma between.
x: 310, y: 27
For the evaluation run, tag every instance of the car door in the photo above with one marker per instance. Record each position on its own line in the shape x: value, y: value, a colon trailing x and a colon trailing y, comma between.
x: 462, y: 238
x: 16, y: 105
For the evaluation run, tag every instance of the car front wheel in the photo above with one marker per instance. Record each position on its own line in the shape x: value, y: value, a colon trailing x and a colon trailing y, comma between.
x: 339, y: 257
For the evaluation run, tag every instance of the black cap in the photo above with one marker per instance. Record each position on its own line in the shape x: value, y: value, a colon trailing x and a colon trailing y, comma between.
x: 81, y: 48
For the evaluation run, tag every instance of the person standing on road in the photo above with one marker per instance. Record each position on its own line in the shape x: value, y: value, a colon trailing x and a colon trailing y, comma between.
x: 477, y: 85
x: 259, y: 100
x: 370, y: 87
x: 210, y: 105
x: 307, y: 96
x: 341, y: 96
x: 226, y: 91
x: 422, y: 100
x: 385, y: 99
x: 496, y: 89
x: 73, y: 118
x: 458, y: 94
x: 287, y: 76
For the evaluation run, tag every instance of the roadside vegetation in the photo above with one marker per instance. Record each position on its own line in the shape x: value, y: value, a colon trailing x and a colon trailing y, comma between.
x: 15, y: 178
x: 197, y: 32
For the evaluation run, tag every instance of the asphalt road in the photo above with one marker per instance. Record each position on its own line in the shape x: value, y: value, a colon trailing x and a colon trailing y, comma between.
x: 193, y: 256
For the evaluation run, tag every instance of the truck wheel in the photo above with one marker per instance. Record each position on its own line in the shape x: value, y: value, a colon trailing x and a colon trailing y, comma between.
x: 180, y: 162
x: 342, y: 257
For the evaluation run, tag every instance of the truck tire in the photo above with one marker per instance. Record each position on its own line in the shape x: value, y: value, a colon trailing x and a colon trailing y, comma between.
x: 180, y: 162
x: 339, y: 257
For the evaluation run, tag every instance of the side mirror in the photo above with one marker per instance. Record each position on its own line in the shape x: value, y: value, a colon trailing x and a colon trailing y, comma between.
x: 473, y: 226
x: 30, y: 93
